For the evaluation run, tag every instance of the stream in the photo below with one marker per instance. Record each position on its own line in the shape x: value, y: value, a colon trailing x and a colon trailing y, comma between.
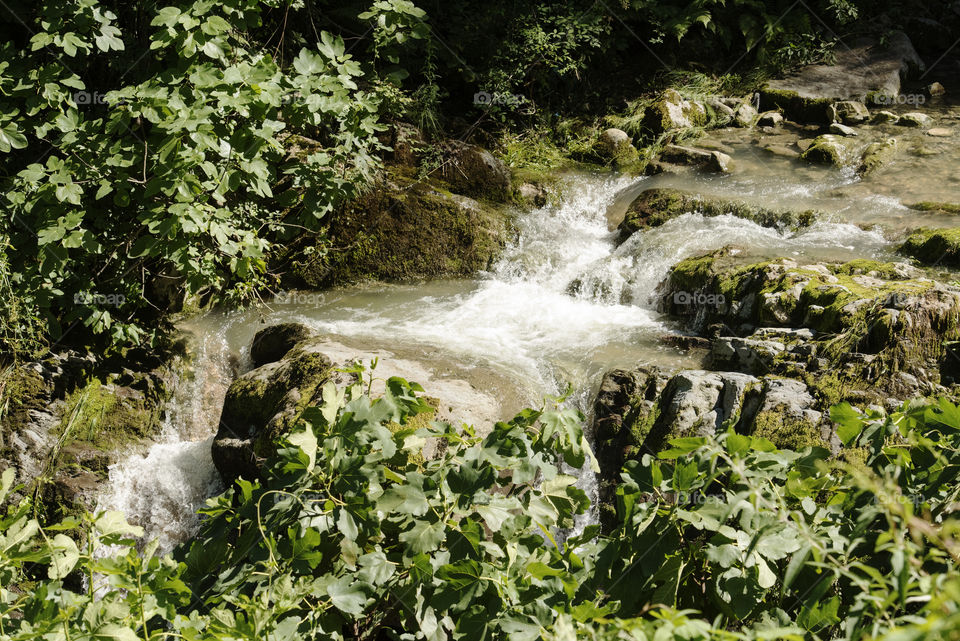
x: 563, y: 305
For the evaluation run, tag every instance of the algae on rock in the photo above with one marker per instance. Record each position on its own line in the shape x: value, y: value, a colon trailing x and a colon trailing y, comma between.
x: 404, y: 230
x: 654, y: 207
x: 934, y: 247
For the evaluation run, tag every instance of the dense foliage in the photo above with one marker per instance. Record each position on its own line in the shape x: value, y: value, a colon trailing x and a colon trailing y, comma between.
x: 179, y: 180
x: 154, y: 152
x: 354, y: 535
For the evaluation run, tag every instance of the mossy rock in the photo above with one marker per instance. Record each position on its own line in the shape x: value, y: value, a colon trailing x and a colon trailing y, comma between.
x: 828, y: 149
x: 23, y: 391
x: 795, y: 106
x: 615, y: 148
x: 786, y: 432
x: 473, y: 171
x: 871, y: 319
x: 274, y: 342
x: 400, y: 231
x: 876, y: 155
x: 654, y: 207
x: 261, y: 406
x: 945, y: 208
x: 106, y: 416
x: 671, y: 111
x: 934, y: 247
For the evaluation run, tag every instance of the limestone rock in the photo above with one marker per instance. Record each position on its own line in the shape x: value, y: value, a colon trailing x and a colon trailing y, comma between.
x: 863, y: 69
x: 654, y: 207
x: 770, y: 119
x: 672, y: 111
x: 876, y: 155
x: 842, y: 130
x: 747, y: 355
x: 915, y: 119
x: 745, y: 115
x: 272, y: 343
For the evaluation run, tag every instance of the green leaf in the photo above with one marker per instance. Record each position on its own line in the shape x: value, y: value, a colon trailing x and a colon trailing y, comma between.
x: 423, y: 537
x: 64, y: 555
x: 349, y: 595
x: 113, y: 524
x: 11, y: 138
x: 407, y: 499
x: 306, y: 440
x: 849, y: 422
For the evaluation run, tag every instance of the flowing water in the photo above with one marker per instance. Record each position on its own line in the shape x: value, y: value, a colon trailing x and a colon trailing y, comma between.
x: 564, y: 304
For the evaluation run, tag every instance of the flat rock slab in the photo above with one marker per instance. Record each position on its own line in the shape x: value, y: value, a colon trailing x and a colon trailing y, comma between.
x: 861, y: 72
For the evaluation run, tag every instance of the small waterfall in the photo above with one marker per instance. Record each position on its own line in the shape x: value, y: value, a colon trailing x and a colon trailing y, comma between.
x: 162, y: 488
x: 564, y: 304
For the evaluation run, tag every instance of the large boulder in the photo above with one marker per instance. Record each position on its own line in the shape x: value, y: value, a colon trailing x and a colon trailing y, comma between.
x: 401, y: 230
x: 871, y: 319
x: 654, y: 207
x: 272, y: 343
x: 265, y: 403
x: 262, y: 405
x: 866, y: 71
x: 473, y: 171
x: 938, y: 247
x: 671, y: 111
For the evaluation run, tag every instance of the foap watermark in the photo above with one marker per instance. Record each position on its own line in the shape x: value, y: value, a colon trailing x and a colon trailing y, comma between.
x: 502, y: 99
x: 84, y: 98
x: 698, y: 299
x: 100, y: 300
x: 298, y: 298
x: 882, y: 100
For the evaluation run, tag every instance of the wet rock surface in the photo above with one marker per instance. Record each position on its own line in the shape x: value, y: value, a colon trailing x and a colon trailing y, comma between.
x: 865, y: 71
x: 263, y: 404
x: 654, y: 207
x: 69, y: 416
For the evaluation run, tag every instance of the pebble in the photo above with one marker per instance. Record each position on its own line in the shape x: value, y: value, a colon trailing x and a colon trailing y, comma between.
x: 940, y: 132
x: 842, y: 130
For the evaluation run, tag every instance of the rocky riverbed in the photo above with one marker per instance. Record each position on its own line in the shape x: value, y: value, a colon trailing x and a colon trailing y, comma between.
x: 798, y: 251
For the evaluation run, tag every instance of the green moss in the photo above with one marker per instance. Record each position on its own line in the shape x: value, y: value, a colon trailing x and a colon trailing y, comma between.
x: 654, y: 207
x: 786, y: 432
x: 21, y: 391
x: 849, y: 306
x: 96, y: 416
x: 659, y: 117
x: 827, y: 149
x: 934, y: 247
x: 877, y: 155
x: 303, y: 371
x: 412, y: 424
x: 856, y: 457
x: 795, y: 106
x: 640, y: 423
x: 402, y: 233
x: 947, y: 208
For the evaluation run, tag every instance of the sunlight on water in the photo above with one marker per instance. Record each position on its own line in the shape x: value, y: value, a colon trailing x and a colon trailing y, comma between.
x: 563, y: 305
